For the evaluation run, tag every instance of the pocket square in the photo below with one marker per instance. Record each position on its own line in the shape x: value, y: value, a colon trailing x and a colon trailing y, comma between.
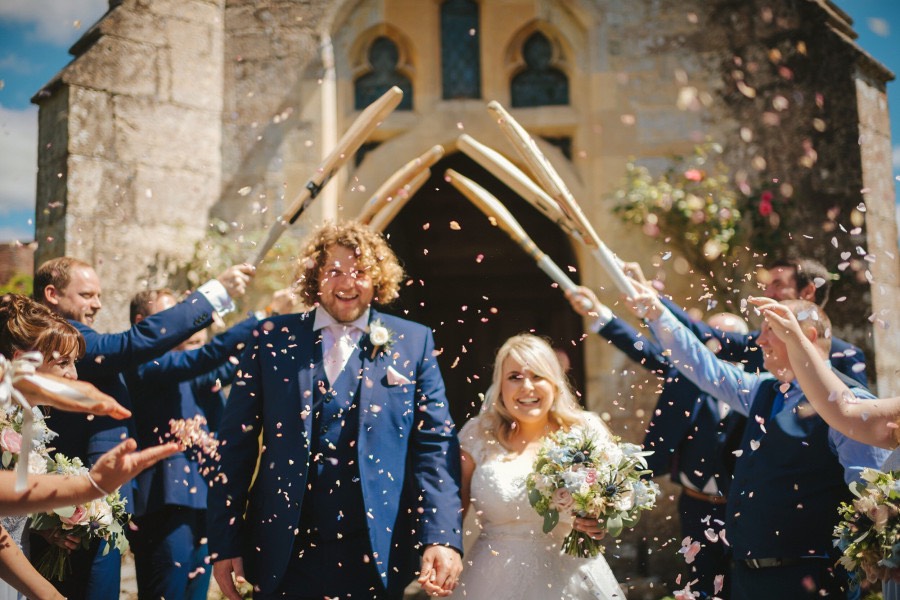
x: 395, y: 378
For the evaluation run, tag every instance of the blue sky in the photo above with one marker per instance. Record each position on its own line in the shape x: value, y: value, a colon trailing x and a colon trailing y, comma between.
x: 35, y: 36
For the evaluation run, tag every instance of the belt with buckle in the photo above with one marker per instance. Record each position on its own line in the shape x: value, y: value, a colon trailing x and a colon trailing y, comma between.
x: 765, y: 563
x: 692, y: 493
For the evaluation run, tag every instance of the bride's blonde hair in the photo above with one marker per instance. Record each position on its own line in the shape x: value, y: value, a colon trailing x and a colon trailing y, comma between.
x: 536, y: 352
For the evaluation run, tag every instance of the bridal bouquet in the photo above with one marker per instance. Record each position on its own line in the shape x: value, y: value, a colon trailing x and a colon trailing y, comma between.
x: 12, y: 419
x: 101, y: 519
x: 869, y: 531
x: 589, y: 475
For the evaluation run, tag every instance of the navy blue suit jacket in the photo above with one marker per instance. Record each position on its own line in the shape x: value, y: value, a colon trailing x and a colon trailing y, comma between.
x: 407, y: 447
x: 161, y: 390
x: 107, y: 356
x: 742, y: 348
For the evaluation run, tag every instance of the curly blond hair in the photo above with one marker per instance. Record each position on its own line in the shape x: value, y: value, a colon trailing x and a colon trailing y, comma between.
x: 373, y: 255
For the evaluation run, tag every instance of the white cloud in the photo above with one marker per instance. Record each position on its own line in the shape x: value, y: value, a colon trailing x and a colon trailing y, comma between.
x: 58, y: 22
x: 14, y: 63
x: 18, y: 147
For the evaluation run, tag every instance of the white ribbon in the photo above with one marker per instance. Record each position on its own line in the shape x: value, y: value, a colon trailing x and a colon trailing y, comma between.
x: 11, y: 371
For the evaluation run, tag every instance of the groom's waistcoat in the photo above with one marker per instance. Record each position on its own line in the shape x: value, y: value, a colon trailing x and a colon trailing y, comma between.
x: 784, y: 498
x: 334, y: 505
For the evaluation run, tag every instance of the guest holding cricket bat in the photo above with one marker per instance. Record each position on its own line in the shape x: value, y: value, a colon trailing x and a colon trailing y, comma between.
x: 793, y: 469
x: 71, y: 288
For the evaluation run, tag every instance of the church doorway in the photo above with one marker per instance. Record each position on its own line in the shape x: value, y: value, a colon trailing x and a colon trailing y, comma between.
x: 474, y: 286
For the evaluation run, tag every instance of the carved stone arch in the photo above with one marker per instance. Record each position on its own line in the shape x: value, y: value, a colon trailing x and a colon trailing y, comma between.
x: 359, y: 51
x: 562, y: 51
x: 374, y: 78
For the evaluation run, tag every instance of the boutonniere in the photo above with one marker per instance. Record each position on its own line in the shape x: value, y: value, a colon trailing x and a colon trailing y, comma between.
x: 380, y: 336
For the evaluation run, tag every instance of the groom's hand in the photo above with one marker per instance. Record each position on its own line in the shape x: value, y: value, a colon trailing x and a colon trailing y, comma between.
x: 223, y: 570
x: 441, y: 567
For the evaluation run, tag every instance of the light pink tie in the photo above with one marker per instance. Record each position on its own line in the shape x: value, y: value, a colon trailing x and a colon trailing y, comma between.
x: 341, y: 348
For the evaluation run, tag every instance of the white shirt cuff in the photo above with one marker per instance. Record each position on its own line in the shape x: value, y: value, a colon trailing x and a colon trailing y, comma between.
x: 215, y: 292
x: 604, y: 316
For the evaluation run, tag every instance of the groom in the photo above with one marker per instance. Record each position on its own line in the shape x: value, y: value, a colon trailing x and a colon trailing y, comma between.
x: 360, y: 460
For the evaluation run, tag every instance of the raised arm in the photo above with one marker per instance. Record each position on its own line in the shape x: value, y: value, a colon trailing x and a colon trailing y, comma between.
x: 636, y: 346
x: 691, y: 357
x: 46, y: 492
x: 872, y: 422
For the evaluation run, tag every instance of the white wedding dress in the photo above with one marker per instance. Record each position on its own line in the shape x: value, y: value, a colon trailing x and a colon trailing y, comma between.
x: 512, y: 557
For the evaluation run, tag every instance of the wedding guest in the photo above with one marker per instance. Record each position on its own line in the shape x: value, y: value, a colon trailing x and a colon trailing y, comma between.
x: 46, y: 492
x: 169, y: 542
x: 26, y: 326
x: 529, y: 397
x: 71, y: 288
x: 369, y: 472
x: 789, y: 279
x: 874, y: 422
x: 793, y: 469
x: 692, y: 436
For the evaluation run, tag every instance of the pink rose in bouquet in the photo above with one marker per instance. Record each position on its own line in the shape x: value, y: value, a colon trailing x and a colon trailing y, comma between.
x: 11, y: 440
x: 100, y: 519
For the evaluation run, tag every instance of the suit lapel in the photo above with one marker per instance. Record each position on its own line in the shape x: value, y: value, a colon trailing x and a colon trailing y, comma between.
x: 371, y: 376
x: 310, y: 372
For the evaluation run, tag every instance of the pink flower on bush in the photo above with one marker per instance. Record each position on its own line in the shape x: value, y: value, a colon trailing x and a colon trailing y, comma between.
x: 693, y: 175
x: 562, y: 499
x: 765, y: 207
x: 590, y: 476
x: 10, y: 440
x: 767, y: 196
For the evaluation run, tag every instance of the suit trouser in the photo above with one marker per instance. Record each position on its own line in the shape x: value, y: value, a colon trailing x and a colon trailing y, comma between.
x: 696, y: 517
x: 808, y: 578
x: 168, y: 554
x: 334, y: 568
x: 93, y: 576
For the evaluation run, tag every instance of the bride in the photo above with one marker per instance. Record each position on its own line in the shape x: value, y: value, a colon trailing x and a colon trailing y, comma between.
x: 529, y: 397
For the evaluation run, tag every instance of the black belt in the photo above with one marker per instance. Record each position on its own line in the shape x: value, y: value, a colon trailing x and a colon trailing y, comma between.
x: 765, y: 563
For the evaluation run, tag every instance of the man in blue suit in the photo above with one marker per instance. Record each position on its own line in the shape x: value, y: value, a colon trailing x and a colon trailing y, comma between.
x: 692, y: 436
x: 360, y: 461
x: 71, y: 288
x: 793, y: 469
x: 170, y: 500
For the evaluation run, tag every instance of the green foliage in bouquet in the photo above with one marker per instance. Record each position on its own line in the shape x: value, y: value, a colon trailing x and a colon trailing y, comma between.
x: 869, y: 531
x: 101, y: 519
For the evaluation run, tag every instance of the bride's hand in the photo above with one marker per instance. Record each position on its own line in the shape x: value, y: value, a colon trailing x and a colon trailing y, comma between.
x: 591, y: 527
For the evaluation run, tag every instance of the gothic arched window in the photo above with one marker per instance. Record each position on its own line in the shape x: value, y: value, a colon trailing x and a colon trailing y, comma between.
x: 540, y: 83
x: 384, y: 58
x: 460, y: 53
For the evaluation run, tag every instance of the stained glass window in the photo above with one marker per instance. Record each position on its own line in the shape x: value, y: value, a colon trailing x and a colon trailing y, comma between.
x: 460, y: 54
x: 540, y: 83
x: 383, y: 58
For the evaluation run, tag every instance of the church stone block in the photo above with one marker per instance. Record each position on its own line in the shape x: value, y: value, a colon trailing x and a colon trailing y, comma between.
x: 88, y: 136
x: 165, y: 135
x: 117, y: 66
